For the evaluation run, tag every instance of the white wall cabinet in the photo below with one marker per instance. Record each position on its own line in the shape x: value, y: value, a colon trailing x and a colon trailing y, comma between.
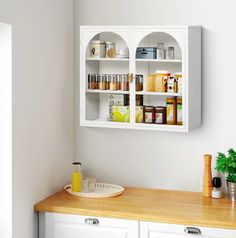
x: 55, y: 225
x: 94, y: 104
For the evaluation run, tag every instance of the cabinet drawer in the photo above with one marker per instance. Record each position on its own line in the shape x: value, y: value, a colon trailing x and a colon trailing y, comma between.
x: 161, y: 230
x: 55, y: 225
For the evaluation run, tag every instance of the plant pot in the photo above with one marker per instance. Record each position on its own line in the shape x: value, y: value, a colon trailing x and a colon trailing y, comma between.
x: 231, y: 190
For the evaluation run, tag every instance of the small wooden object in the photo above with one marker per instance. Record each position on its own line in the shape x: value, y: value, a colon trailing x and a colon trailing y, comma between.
x: 207, y: 178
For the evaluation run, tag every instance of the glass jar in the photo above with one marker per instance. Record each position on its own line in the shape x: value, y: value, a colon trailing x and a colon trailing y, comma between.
x: 160, y: 115
x: 97, y: 49
x: 107, y: 82
x: 110, y: 49
x: 160, y: 51
x: 149, y: 114
x: 170, y: 52
x: 112, y: 82
x: 139, y: 82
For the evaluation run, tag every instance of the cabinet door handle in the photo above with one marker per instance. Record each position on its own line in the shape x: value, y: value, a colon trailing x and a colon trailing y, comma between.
x: 91, y: 221
x: 192, y: 230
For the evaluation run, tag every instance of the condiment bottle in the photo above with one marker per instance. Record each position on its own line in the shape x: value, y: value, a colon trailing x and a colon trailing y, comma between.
x: 207, y: 178
x: 216, y: 184
x: 76, y: 181
x: 179, y: 111
x: 171, y: 111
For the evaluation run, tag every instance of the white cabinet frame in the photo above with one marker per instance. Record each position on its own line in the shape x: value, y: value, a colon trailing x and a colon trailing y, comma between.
x: 189, y: 40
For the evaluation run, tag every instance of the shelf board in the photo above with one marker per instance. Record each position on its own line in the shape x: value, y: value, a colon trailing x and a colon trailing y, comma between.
x: 107, y: 59
x: 160, y: 61
x: 107, y: 91
x: 158, y: 94
x: 102, y: 123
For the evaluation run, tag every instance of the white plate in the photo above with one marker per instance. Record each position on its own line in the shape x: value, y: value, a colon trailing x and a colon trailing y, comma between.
x: 102, y: 190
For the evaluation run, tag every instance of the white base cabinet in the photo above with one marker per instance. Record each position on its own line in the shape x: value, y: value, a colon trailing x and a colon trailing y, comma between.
x: 161, y: 230
x: 54, y: 225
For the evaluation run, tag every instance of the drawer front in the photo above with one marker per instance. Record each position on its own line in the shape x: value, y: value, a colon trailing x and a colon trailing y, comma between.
x: 74, y: 226
x: 161, y: 230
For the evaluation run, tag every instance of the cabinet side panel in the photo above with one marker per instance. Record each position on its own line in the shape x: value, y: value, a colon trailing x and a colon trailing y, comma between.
x: 194, y: 78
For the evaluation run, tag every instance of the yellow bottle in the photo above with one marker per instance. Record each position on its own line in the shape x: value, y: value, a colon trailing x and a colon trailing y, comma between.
x: 76, y: 178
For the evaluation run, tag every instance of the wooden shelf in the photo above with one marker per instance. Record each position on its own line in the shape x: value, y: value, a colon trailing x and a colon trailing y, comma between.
x: 158, y: 93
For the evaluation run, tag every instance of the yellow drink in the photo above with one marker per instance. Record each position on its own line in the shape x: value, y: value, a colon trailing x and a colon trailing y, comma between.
x: 76, y: 181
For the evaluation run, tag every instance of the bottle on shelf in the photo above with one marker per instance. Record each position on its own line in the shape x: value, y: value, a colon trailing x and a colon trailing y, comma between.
x: 171, y: 111
x: 76, y: 181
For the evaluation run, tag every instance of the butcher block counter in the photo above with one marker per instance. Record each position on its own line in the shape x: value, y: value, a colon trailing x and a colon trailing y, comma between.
x: 148, y: 205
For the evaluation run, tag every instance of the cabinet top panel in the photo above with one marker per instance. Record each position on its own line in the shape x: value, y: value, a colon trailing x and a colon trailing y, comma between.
x: 137, y: 27
x: 165, y: 206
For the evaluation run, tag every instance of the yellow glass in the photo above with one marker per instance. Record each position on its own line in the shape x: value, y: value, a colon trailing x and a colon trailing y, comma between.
x: 76, y: 181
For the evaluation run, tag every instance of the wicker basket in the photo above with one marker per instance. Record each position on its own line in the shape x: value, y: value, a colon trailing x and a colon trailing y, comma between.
x: 102, y: 190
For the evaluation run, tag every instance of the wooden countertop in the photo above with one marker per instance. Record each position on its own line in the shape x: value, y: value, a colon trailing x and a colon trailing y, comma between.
x: 165, y: 206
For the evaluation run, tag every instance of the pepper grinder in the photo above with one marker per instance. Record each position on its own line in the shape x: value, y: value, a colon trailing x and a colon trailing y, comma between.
x: 216, y: 191
x: 207, y: 178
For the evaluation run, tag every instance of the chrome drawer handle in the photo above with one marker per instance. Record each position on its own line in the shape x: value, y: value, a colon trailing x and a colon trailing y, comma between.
x: 192, y: 230
x: 91, y: 221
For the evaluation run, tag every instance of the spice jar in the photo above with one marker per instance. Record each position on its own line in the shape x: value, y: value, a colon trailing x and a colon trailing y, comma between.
x: 124, y: 82
x: 112, y: 82
x: 139, y: 82
x: 97, y: 49
x: 179, y: 111
x: 171, y: 111
x: 118, y: 82
x: 97, y: 80
x: 93, y: 83
x: 89, y: 81
x: 160, y: 115
x: 149, y: 114
x: 107, y: 82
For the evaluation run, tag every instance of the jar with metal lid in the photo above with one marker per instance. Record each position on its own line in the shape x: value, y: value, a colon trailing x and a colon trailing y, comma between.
x: 139, y: 82
x: 124, y: 82
x: 97, y: 49
x: 92, y: 82
x: 118, y: 82
x: 149, y: 116
x: 179, y: 111
x: 107, y: 82
x: 110, y: 49
x: 112, y: 82
x: 160, y: 115
x: 89, y: 81
x: 171, y: 111
x: 97, y: 80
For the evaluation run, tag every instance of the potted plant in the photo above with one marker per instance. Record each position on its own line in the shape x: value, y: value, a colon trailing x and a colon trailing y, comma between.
x: 226, y: 164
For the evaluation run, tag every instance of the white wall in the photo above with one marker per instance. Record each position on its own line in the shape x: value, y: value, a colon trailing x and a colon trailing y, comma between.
x: 42, y: 103
x: 5, y: 131
x: 158, y: 159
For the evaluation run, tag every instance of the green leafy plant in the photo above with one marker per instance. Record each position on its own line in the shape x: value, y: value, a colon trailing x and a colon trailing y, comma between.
x: 226, y: 164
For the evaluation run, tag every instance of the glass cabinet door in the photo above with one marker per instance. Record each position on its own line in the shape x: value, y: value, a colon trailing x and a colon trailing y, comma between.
x: 159, y: 81
x: 106, y: 80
